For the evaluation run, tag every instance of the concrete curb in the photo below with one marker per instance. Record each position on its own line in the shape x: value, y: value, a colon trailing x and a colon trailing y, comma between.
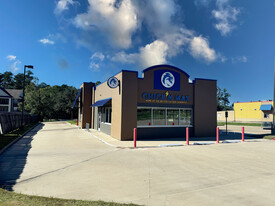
x: 18, y: 138
x: 171, y: 145
x: 158, y: 146
x: 101, y: 139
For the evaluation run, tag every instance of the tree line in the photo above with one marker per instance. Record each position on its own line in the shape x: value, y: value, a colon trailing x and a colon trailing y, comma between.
x: 10, y: 81
x: 49, y: 102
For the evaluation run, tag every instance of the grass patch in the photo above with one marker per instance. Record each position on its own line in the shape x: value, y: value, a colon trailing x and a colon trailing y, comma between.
x: 270, y: 137
x: 239, y: 124
x: 5, y: 139
x: 14, y: 199
x: 72, y: 122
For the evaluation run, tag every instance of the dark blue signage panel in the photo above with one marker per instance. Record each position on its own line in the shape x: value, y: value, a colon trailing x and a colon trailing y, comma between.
x: 166, y: 80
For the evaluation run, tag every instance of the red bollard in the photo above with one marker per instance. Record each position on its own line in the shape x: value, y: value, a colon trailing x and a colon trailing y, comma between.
x: 187, y: 135
x: 77, y: 122
x: 135, y: 137
x: 218, y: 135
x: 242, y: 134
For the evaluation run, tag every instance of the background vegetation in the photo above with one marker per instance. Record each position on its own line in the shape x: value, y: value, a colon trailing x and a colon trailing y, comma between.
x: 223, y: 102
x: 49, y: 102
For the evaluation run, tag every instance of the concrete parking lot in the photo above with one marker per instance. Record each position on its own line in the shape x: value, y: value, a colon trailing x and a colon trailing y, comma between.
x: 60, y: 160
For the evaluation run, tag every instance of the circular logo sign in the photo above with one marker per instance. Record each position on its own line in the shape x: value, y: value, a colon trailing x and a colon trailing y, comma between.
x: 112, y: 82
x: 167, y: 79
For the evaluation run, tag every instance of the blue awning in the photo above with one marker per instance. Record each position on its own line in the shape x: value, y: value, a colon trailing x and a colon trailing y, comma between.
x: 101, y: 103
x: 77, y: 96
x: 266, y: 107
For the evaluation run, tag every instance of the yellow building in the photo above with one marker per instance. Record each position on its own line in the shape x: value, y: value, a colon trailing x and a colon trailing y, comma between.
x: 260, y: 111
x: 254, y: 111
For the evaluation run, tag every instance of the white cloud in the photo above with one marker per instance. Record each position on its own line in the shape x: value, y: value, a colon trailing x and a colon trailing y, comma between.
x: 154, y: 53
x: 96, y: 61
x: 199, y: 49
x: 157, y: 15
x: 225, y: 16
x: 120, y: 21
x: 14, y: 66
x: 242, y: 59
x: 125, y: 58
x: 117, y: 21
x: 94, y: 67
x: 63, y: 5
x: 177, y: 40
x: 98, y: 55
x: 151, y: 54
x: 11, y: 57
x: 46, y: 41
x: 223, y: 59
x: 160, y: 50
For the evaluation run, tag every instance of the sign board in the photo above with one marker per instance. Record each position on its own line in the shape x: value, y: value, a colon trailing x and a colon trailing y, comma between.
x: 112, y: 82
x: 166, y: 80
x: 165, y: 98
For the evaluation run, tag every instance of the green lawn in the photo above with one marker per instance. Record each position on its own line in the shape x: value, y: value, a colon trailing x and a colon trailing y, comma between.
x: 239, y: 124
x: 5, y: 139
x: 72, y: 121
x: 15, y: 199
x: 269, y: 137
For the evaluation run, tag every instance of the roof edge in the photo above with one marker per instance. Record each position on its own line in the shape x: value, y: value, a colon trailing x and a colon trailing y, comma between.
x: 165, y: 65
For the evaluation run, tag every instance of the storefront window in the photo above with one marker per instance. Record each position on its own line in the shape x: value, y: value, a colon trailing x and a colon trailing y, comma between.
x: 163, y: 116
x: 144, y: 116
x: 185, y: 117
x: 172, y: 117
x: 159, y: 117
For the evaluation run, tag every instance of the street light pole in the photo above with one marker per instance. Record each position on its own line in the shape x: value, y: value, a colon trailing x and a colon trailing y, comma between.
x: 23, y: 102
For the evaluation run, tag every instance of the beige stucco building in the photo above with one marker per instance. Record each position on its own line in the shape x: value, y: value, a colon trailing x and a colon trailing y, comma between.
x: 161, y: 104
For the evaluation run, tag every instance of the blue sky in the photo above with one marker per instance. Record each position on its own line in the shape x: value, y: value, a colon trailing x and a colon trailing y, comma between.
x: 75, y: 41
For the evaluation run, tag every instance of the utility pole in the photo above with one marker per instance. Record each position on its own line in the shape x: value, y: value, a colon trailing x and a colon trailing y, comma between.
x: 23, y: 102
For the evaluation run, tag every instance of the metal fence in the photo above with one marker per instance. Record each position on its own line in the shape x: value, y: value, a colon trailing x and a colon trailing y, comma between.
x: 12, y: 120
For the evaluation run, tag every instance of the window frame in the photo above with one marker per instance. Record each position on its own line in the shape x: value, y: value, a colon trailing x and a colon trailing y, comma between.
x: 106, y: 113
x: 166, y: 108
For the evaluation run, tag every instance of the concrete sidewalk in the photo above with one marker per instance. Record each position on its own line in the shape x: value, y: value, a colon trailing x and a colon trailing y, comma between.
x: 234, y: 134
x: 59, y: 160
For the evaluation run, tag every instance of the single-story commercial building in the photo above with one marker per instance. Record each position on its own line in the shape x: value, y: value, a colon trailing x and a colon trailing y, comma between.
x: 257, y: 111
x: 161, y: 104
